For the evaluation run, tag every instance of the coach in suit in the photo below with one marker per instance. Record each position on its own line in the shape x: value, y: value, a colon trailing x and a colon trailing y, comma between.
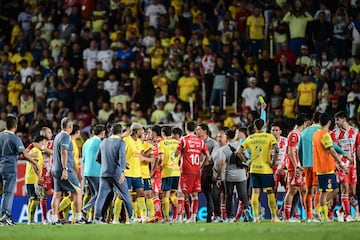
x: 111, y: 155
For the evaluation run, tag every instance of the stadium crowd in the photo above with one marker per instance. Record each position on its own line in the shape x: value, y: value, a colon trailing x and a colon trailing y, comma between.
x: 133, y: 63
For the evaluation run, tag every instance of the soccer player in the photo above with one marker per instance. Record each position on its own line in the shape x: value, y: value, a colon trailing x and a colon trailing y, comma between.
x: 170, y: 172
x: 111, y: 156
x: 324, y: 164
x: 264, y: 154
x: 204, y: 133
x: 296, y: 179
x: 191, y: 148
x: 347, y: 137
x: 134, y: 152
x: 92, y: 168
x: 32, y: 178
x: 10, y: 147
x: 282, y: 142
x: 65, y: 178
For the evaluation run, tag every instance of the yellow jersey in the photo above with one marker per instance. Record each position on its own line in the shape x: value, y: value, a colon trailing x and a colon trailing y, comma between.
x: 170, y: 163
x: 30, y: 176
x: 306, y: 93
x: 259, y: 145
x: 186, y: 86
x: 145, y: 166
x: 133, y: 150
x: 289, y: 107
x: 256, y: 27
x: 76, y: 155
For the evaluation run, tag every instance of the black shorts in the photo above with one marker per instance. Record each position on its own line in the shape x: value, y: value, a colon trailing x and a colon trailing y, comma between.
x: 30, y: 188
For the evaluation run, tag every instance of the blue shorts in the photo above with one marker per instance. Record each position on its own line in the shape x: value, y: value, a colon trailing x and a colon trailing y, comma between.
x: 261, y: 180
x: 30, y: 188
x: 72, y: 184
x: 147, y: 184
x: 327, y: 182
x: 170, y: 183
x: 135, y: 183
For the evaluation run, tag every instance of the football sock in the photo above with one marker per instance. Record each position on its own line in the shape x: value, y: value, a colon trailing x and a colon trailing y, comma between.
x: 180, y: 206
x: 175, y: 203
x: 194, y: 205
x: 66, y: 212
x: 91, y: 214
x: 240, y: 210
x: 86, y: 199
x: 65, y: 202
x: 117, y: 209
x: 345, y: 203
x: 325, y: 212
x: 43, y: 208
x: 150, y: 206
x: 272, y: 204
x: 187, y: 208
x: 157, y: 206
x: 287, y: 211
x: 136, y: 211
x: 255, y: 204
x: 73, y: 216
x: 142, y: 207
x: 29, y: 208
x: 166, y: 207
x: 223, y: 211
x: 308, y: 205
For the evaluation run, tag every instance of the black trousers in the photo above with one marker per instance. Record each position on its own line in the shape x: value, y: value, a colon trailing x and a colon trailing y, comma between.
x: 241, y: 189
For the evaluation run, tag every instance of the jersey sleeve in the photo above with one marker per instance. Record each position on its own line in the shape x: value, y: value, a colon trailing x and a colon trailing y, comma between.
x: 19, y: 145
x: 326, y: 141
x: 293, y: 140
x: 65, y: 142
x: 272, y: 140
x: 161, y: 147
x: 357, y: 141
x: 205, y: 148
x: 181, y: 145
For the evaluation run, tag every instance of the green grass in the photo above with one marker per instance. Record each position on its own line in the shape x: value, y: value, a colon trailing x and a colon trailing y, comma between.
x: 218, y: 231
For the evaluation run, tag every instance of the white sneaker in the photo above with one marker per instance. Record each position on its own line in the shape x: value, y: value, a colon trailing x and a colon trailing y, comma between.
x: 340, y: 216
x: 31, y: 223
x: 316, y: 215
x: 97, y: 221
x: 192, y: 219
x: 217, y: 220
x: 349, y: 218
x: 115, y: 222
x: 45, y: 222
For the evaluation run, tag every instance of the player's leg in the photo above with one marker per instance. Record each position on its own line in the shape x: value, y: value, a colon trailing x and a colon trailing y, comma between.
x: 243, y: 206
x: 149, y: 197
x: 229, y: 190
x: 140, y: 194
x: 123, y: 192
x: 165, y: 187
x: 194, y: 206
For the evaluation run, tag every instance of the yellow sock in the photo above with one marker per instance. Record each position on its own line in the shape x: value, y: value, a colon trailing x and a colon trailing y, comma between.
x: 150, y: 206
x: 166, y: 206
x: 325, y: 211
x: 255, y: 204
x: 65, y: 202
x: 135, y: 209
x: 272, y: 204
x: 66, y: 212
x: 91, y: 214
x: 142, y: 207
x: 117, y: 209
x: 86, y: 199
x: 33, y: 206
x: 73, y: 216
x: 174, y: 199
x: 29, y: 210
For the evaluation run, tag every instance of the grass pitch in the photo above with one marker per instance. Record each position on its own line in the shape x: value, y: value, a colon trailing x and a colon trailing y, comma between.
x: 218, y: 231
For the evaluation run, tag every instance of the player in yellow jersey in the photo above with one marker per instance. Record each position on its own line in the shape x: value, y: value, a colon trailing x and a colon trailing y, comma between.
x: 32, y: 178
x: 134, y: 153
x: 170, y: 172
x: 264, y: 153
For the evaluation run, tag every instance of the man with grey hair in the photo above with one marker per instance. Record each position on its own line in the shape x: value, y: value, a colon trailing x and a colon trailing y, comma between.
x: 65, y: 177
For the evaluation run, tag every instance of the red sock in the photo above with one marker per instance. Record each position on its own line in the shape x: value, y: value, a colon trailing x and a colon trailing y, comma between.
x: 345, y: 203
x: 223, y: 210
x: 187, y: 208
x: 239, y: 211
x: 43, y: 208
x: 194, y: 205
x: 60, y: 215
x: 287, y: 211
x: 175, y: 211
x: 334, y: 204
x: 180, y: 206
x: 353, y: 201
x: 157, y: 206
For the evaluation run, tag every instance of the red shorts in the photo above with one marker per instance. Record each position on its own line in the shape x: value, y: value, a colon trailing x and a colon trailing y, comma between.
x: 294, y: 180
x: 311, y: 178
x: 190, y: 183
x: 156, y: 184
x: 350, y: 178
x: 279, y: 178
x: 47, y: 180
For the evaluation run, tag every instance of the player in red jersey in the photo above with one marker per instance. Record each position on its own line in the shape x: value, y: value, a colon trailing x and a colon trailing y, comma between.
x: 191, y: 148
x: 156, y: 172
x: 348, y: 138
x: 296, y: 178
x: 46, y: 182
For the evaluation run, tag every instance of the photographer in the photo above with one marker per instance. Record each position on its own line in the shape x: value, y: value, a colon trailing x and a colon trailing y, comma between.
x: 235, y: 176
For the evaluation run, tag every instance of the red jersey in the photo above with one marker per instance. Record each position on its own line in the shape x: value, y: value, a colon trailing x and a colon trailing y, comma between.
x: 282, y: 145
x: 348, y: 140
x: 192, y: 147
x: 293, y: 139
x: 157, y: 170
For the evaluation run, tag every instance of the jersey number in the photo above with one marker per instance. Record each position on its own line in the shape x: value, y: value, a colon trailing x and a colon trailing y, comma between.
x: 195, y: 159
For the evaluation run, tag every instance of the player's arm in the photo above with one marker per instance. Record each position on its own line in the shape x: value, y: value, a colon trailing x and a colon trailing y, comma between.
x: 333, y: 153
x: 207, y: 159
x: 274, y: 154
x: 241, y: 155
x: 147, y: 157
x: 28, y: 158
x: 340, y: 151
